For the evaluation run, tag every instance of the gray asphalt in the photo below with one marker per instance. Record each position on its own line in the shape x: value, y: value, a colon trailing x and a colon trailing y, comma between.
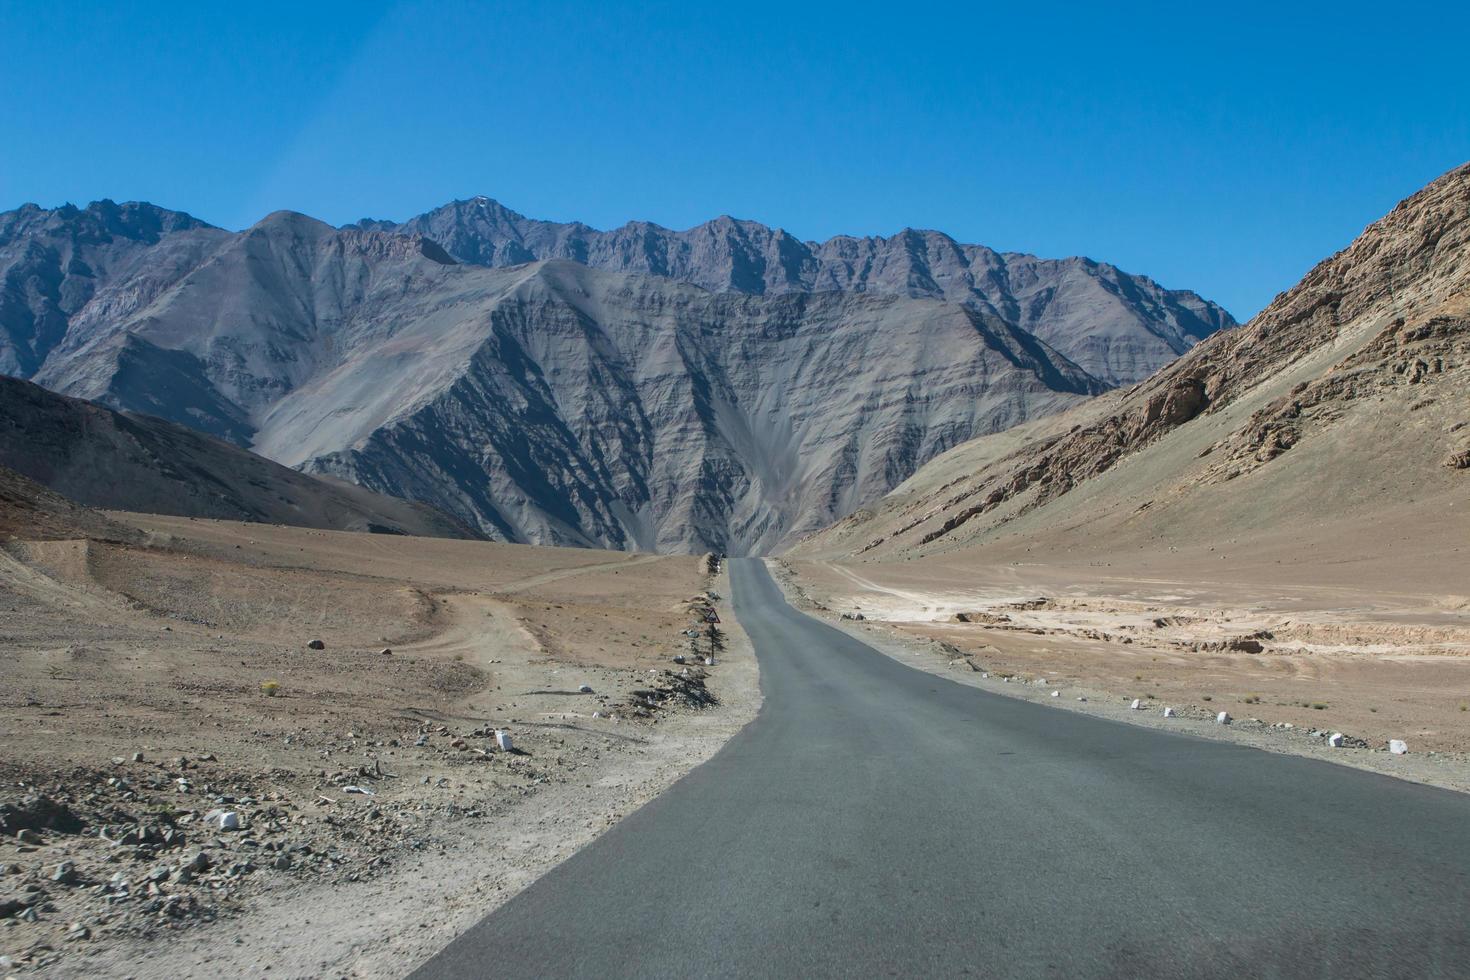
x: 877, y: 820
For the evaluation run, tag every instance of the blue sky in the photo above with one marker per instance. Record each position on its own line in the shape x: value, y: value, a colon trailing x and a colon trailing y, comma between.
x: 1224, y: 149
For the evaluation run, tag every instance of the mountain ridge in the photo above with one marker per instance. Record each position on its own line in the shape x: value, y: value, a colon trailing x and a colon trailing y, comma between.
x: 550, y: 402
x: 1133, y: 325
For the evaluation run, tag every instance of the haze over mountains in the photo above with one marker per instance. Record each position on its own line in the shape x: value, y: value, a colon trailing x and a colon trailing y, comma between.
x: 726, y: 388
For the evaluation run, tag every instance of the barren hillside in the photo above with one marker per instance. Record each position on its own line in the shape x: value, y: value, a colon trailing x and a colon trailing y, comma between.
x: 1343, y: 402
x: 126, y: 461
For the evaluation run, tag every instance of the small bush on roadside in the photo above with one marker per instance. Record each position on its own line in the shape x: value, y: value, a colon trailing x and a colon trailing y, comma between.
x: 1319, y: 706
x: 270, y: 688
x: 1207, y: 698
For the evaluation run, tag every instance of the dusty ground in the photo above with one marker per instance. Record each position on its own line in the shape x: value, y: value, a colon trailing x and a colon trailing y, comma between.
x: 150, y: 682
x: 1291, y: 658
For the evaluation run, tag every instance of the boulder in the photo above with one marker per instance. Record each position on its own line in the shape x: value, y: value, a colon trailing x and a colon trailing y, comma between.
x: 316, y: 645
x: 1335, y: 740
x: 1223, y: 718
x: 1398, y: 746
x: 38, y: 813
x: 224, y: 820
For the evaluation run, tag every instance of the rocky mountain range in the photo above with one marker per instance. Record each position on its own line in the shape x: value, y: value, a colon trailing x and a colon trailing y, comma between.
x: 1118, y: 327
x: 1342, y: 405
x: 679, y: 406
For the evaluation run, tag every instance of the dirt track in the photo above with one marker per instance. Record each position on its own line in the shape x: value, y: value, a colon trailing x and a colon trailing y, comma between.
x: 162, y: 649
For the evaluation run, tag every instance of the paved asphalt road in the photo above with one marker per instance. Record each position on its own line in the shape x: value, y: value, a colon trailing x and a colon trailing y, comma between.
x: 878, y: 821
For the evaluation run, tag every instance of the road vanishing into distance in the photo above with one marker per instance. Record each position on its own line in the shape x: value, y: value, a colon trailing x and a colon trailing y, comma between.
x: 875, y: 820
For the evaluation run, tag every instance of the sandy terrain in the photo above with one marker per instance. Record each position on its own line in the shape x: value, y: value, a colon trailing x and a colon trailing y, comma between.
x: 1272, y: 647
x: 148, y: 684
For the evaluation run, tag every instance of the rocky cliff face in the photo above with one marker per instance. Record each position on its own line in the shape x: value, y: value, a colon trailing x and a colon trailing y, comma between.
x: 66, y: 268
x: 1346, y: 395
x: 1118, y: 327
x: 555, y: 403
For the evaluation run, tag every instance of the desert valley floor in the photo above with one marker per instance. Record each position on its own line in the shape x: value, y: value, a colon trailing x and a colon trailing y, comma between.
x: 138, y: 703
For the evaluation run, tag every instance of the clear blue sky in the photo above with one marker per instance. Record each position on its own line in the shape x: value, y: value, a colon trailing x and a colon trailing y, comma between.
x: 1224, y: 149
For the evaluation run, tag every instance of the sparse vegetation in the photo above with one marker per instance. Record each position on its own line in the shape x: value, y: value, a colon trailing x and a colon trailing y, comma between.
x: 270, y: 688
x: 1319, y: 706
x: 1207, y: 697
x: 1251, y: 699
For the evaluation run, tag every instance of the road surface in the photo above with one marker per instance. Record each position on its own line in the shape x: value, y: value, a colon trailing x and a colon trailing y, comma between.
x: 875, y: 820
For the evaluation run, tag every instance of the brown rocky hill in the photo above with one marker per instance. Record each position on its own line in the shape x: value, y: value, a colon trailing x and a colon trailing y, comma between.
x: 1346, y: 400
x: 111, y: 460
x: 30, y: 512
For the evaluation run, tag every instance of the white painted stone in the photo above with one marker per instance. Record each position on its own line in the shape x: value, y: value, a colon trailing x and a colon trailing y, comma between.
x: 502, y: 740
x: 1335, y: 740
x: 1398, y: 747
x: 1056, y: 694
x: 1223, y: 718
x: 1137, y: 705
x: 1168, y: 712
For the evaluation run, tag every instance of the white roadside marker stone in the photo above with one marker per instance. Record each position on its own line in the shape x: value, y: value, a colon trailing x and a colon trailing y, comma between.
x: 1398, y: 747
x: 502, y: 739
x: 1335, y: 740
x: 1168, y: 712
x: 1056, y: 694
x: 1137, y: 705
x: 1223, y: 718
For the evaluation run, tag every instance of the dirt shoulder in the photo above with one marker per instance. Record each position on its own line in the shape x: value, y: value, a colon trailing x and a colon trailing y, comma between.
x: 158, y: 687
x: 1292, y: 668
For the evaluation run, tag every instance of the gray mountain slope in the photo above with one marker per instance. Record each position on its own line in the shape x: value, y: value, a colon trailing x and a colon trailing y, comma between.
x: 1118, y: 327
x: 62, y: 270
x: 556, y: 403
x: 121, y: 461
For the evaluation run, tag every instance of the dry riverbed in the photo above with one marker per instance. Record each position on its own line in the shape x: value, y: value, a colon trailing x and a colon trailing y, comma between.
x: 190, y: 788
x: 1292, y: 667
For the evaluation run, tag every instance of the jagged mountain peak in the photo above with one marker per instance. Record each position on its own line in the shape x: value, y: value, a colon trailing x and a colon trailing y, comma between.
x: 1118, y: 326
x: 723, y: 387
